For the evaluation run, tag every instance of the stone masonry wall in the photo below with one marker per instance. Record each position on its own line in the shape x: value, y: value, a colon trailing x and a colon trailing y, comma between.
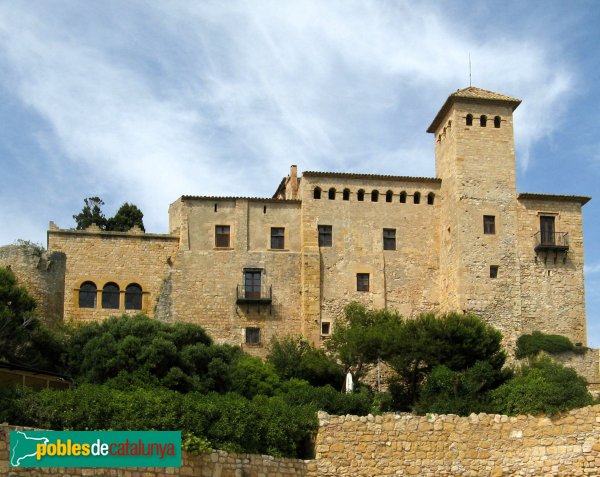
x: 478, y: 445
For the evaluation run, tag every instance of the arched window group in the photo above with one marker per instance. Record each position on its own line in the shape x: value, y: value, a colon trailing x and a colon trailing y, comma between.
x: 483, y: 120
x: 360, y: 195
x: 110, y: 296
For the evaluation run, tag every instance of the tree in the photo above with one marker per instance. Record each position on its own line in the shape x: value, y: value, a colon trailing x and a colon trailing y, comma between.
x: 126, y: 217
x: 91, y: 214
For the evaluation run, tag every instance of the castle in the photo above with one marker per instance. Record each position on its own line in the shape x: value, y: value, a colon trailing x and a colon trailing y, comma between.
x: 247, y: 269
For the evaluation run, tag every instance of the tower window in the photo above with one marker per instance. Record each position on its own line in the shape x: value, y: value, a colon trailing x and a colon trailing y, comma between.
x: 110, y: 296
x: 277, y: 238
x: 493, y: 271
x: 497, y: 122
x: 360, y: 195
x: 469, y: 121
x: 346, y: 194
x: 375, y: 196
x: 483, y: 121
x: 430, y: 198
x: 325, y: 235
x: 252, y: 336
x: 222, y: 235
x: 489, y: 224
x: 403, y: 197
x: 325, y: 328
x: 417, y: 198
x: 331, y: 194
x: 362, y: 282
x: 389, y: 195
x: 317, y: 193
x: 87, y: 295
x: 133, y: 297
x: 389, y: 239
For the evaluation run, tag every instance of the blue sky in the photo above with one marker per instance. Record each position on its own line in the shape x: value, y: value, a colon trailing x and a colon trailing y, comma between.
x: 144, y: 101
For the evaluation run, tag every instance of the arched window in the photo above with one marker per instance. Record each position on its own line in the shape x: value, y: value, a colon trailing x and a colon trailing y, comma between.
x: 375, y: 196
x: 403, y: 197
x: 389, y: 196
x: 469, y: 120
x: 483, y: 121
x: 331, y: 194
x: 360, y: 195
x: 317, y: 193
x: 346, y: 195
x: 430, y: 198
x: 497, y: 122
x: 417, y: 198
x: 133, y: 297
x: 87, y: 295
x: 110, y: 296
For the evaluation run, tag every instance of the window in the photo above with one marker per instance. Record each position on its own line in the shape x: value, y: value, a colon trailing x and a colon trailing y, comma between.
x: 346, y: 195
x: 133, y: 297
x: 430, y: 198
x: 110, y: 296
x: 331, y: 194
x: 469, y: 120
x: 375, y: 196
x: 252, y: 336
x: 547, y: 230
x: 493, y: 271
x: 362, y: 282
x: 252, y: 279
x: 497, y: 122
x: 417, y: 198
x: 483, y: 120
x: 389, y: 195
x: 325, y: 235
x: 277, y: 238
x: 403, y: 197
x: 360, y: 195
x: 389, y: 239
x: 87, y: 295
x: 489, y: 224
x: 317, y: 193
x: 325, y: 328
x: 222, y: 236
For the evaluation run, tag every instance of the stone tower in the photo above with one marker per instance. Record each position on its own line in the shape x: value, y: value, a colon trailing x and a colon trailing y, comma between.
x: 474, y: 153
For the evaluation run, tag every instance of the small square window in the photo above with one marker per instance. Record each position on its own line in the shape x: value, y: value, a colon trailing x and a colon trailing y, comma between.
x: 362, y: 282
x: 489, y: 224
x: 493, y: 271
x: 325, y: 235
x: 252, y: 336
x: 389, y: 239
x: 325, y: 328
x: 222, y: 235
x: 277, y: 238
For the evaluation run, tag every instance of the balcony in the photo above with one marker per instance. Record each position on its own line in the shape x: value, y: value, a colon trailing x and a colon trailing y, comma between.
x: 552, y: 242
x: 249, y: 295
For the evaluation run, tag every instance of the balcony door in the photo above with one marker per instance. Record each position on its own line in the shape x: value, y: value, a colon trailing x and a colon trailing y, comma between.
x: 547, y: 230
x: 252, y: 284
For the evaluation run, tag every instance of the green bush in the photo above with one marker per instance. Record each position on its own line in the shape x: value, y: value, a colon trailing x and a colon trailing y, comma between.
x: 531, y: 345
x: 541, y: 387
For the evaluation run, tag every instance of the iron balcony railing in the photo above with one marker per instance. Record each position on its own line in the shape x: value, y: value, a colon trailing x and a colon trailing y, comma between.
x: 249, y: 295
x: 557, y: 241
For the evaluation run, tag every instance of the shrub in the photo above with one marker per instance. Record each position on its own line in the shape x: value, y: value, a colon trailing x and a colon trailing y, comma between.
x: 531, y: 345
x: 541, y: 387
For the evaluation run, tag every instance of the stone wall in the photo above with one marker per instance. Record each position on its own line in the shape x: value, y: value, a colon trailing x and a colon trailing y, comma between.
x: 478, y: 445
x: 214, y: 464
x: 42, y: 273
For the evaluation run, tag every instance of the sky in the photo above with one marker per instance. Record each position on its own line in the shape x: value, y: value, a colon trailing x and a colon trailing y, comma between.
x: 144, y: 101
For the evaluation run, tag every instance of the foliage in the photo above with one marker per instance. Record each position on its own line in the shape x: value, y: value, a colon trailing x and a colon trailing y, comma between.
x: 360, y: 336
x: 295, y: 357
x: 531, y: 345
x: 23, y: 339
x: 542, y: 386
x: 36, y: 248
x: 126, y: 217
x: 195, y: 445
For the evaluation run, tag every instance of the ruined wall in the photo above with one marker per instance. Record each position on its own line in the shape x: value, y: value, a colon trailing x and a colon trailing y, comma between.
x: 120, y: 257
x: 552, y: 287
x: 478, y: 445
x: 207, y: 280
x: 42, y: 273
